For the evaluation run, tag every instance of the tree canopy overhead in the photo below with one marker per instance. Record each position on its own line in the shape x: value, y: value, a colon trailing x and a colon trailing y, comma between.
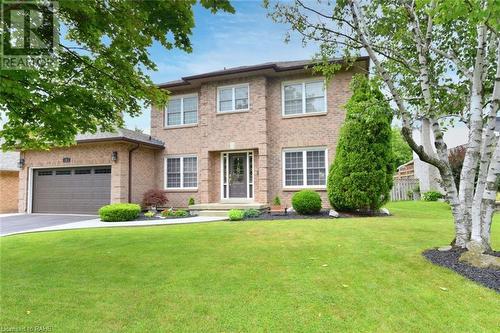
x: 440, y: 63
x: 101, y: 74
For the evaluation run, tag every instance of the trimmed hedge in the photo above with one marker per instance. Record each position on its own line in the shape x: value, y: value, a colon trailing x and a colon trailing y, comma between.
x: 236, y: 215
x: 306, y: 202
x: 119, y: 212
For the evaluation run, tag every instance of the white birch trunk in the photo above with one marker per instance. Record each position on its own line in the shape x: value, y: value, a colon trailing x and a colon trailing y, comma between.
x: 472, y: 155
x: 479, y: 210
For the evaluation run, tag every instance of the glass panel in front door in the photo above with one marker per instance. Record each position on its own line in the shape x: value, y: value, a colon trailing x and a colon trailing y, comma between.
x: 237, y: 175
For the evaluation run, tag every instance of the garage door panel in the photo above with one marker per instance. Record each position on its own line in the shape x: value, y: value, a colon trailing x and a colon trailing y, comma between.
x: 73, y: 190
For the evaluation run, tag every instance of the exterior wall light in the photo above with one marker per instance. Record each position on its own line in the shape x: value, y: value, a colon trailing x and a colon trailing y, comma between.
x: 114, y: 156
x: 20, y: 163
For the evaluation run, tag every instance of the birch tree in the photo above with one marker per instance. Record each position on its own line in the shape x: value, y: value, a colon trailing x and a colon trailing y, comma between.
x: 440, y: 63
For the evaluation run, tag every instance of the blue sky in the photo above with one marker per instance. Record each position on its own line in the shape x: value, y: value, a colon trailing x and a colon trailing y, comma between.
x: 225, y: 40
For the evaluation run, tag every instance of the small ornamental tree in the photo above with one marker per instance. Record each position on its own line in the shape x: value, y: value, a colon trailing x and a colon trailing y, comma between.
x: 154, y: 198
x: 361, y: 175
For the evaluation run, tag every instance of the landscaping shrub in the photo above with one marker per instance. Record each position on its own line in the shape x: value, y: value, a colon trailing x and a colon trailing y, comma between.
x: 252, y: 212
x: 277, y: 201
x: 361, y: 176
x: 236, y: 215
x: 306, y: 202
x: 191, y: 201
x: 174, y: 213
x: 154, y: 198
x: 432, y: 196
x: 119, y: 212
x: 149, y: 214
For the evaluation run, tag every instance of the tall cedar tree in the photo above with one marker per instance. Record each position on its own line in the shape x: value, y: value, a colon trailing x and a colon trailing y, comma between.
x: 361, y: 175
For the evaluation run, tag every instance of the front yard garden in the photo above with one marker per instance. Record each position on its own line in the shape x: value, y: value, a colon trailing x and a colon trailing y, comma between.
x: 356, y: 274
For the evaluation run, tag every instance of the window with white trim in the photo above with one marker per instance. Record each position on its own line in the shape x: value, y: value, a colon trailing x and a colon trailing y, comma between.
x: 233, y: 98
x: 182, y: 110
x: 181, y: 172
x: 304, y: 97
x: 304, y: 167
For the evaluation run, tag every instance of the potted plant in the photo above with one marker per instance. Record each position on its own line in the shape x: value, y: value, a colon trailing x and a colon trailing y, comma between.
x: 276, y: 206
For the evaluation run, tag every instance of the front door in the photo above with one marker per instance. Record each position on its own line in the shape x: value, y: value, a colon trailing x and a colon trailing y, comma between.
x: 238, y: 175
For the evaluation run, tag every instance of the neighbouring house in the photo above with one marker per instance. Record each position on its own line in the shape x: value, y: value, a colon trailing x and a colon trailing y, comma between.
x: 9, y: 181
x: 406, y: 170
x: 242, y: 135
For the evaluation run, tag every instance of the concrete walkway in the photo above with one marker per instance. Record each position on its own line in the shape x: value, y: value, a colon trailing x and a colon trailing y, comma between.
x: 97, y: 223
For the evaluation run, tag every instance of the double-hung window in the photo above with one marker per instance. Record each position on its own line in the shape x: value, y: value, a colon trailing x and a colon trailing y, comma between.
x: 233, y: 98
x: 304, y: 97
x: 182, y: 110
x: 305, y: 167
x: 181, y: 172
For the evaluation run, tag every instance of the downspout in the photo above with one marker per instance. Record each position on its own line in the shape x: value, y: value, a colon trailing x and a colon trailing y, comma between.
x: 130, y: 172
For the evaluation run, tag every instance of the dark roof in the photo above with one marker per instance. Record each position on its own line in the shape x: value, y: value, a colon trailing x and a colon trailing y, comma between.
x: 121, y: 134
x: 280, y: 66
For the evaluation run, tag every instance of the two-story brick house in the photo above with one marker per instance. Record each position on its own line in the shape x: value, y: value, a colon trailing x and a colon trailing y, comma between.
x: 249, y: 134
x: 239, y: 135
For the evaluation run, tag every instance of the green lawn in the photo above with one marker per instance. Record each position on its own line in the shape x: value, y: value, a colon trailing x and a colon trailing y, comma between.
x: 354, y: 275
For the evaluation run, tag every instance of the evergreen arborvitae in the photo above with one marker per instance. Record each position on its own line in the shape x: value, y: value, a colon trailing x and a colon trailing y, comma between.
x: 361, y: 175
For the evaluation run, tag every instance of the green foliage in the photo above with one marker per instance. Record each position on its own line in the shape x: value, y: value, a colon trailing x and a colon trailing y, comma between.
x: 149, y: 214
x: 119, y: 212
x: 154, y: 197
x: 306, y: 202
x: 191, y: 201
x: 101, y: 73
x: 432, y: 196
x: 169, y: 213
x: 277, y: 201
x: 400, y: 148
x: 361, y: 175
x: 236, y: 215
x: 252, y: 212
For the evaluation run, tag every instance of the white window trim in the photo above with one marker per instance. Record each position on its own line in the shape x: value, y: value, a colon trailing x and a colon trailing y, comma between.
x: 304, y: 151
x: 303, y: 82
x: 182, y: 172
x: 233, y: 109
x: 182, y: 124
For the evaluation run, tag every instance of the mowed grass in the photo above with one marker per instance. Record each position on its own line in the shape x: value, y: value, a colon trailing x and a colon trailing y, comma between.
x: 349, y: 275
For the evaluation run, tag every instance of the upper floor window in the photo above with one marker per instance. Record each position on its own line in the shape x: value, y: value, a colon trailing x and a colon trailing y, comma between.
x: 304, y: 97
x: 233, y: 98
x: 182, y: 110
x: 181, y: 172
x: 304, y: 167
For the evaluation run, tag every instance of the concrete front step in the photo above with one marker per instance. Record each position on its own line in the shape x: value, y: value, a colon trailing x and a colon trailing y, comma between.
x: 221, y: 213
x: 227, y: 206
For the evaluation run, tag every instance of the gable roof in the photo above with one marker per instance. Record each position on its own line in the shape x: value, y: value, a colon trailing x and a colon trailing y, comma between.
x: 276, y: 67
x: 121, y: 134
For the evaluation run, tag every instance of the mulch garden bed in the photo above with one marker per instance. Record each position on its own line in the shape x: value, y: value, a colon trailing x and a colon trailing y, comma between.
x: 487, y: 277
x: 321, y: 215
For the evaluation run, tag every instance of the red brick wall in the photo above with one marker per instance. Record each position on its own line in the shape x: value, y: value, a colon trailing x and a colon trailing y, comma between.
x: 9, y: 188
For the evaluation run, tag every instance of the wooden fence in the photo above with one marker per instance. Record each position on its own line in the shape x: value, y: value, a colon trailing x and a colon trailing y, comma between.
x: 402, y: 187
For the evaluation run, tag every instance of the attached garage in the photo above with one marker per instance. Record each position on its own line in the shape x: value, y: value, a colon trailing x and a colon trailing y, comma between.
x: 81, y: 190
x: 101, y: 168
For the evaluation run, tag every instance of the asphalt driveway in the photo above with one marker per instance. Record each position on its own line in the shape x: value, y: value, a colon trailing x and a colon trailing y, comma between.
x: 26, y: 222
